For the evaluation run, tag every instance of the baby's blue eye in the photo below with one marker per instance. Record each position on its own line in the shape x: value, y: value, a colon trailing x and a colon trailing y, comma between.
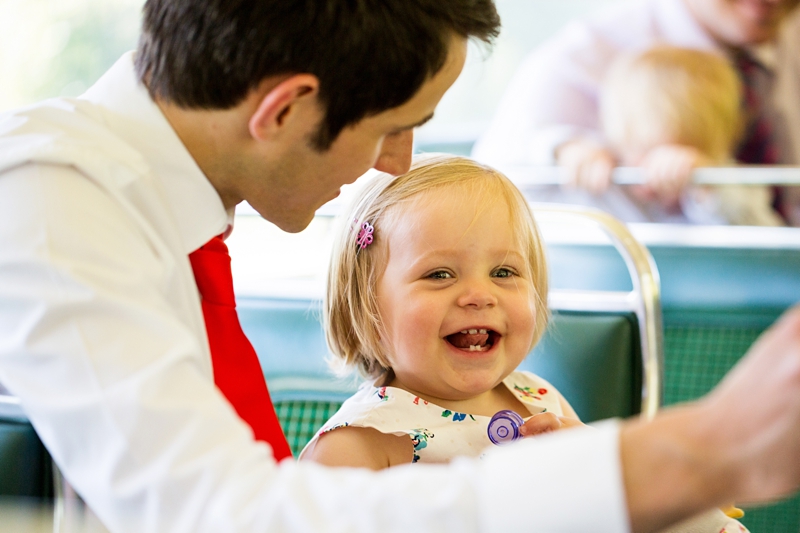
x: 440, y: 274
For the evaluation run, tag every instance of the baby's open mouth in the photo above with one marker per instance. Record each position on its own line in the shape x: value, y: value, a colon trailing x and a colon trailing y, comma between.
x: 473, y: 340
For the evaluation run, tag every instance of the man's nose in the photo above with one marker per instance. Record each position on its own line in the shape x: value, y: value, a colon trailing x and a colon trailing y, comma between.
x: 395, y: 156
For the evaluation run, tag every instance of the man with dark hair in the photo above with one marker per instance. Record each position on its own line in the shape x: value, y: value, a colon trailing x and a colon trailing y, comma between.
x: 119, y: 331
x: 367, y: 56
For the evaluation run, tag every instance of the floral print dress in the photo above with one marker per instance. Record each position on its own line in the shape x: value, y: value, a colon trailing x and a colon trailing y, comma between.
x: 438, y: 434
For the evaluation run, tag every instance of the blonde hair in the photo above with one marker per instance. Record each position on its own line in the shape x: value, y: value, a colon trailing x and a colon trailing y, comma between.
x: 677, y: 95
x: 351, y: 315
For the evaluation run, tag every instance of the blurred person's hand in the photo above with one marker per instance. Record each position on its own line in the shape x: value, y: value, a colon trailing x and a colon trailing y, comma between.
x: 547, y: 422
x: 588, y: 164
x: 668, y: 171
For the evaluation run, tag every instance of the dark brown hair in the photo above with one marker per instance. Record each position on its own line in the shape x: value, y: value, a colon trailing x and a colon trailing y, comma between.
x: 369, y: 55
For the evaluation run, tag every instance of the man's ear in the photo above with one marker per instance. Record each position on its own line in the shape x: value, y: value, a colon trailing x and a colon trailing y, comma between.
x: 280, y: 104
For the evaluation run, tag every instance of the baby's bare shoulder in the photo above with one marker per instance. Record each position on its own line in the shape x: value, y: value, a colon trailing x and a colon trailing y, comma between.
x: 361, y: 447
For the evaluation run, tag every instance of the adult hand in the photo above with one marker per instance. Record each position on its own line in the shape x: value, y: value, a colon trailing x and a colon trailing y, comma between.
x: 547, y: 422
x: 588, y: 164
x: 739, y: 443
x: 762, y: 437
x: 668, y: 171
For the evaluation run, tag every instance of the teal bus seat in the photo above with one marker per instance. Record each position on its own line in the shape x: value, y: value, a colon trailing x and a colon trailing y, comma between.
x: 594, y: 360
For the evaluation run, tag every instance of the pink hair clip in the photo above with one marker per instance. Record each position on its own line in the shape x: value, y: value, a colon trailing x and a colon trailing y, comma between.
x: 365, y: 235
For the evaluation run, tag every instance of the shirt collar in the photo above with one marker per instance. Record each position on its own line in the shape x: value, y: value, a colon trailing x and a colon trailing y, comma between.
x: 132, y: 115
x: 766, y: 54
x: 678, y: 26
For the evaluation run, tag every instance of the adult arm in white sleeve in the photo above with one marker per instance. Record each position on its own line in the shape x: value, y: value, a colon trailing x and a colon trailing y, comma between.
x: 552, y: 99
x: 118, y: 385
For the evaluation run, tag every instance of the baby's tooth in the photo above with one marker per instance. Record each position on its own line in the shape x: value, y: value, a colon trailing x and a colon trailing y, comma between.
x: 464, y: 332
x: 473, y: 331
x: 482, y: 331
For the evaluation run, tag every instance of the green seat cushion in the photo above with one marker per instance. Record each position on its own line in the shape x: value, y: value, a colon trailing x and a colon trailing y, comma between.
x: 300, y: 420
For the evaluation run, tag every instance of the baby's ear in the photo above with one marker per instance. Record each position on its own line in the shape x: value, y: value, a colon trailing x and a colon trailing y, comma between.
x: 290, y: 103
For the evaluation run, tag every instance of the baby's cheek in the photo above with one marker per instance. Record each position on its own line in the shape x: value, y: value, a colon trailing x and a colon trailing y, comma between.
x: 527, y: 315
x: 524, y: 322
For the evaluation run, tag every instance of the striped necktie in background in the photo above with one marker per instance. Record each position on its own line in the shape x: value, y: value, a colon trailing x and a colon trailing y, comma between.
x: 758, y: 145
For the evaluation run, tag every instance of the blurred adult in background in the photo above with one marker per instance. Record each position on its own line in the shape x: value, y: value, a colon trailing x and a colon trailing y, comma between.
x: 670, y: 110
x: 550, y: 113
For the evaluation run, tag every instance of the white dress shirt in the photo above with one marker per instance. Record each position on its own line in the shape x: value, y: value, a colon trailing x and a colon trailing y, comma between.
x: 102, y: 338
x: 554, y: 95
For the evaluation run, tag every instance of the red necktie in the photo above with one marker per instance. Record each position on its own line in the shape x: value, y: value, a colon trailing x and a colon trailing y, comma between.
x: 237, y: 372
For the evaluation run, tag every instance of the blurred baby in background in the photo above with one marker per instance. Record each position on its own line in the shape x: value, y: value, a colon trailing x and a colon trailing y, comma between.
x: 670, y: 110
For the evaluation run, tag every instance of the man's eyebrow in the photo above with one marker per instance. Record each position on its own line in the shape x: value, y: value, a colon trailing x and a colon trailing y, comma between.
x: 417, y: 125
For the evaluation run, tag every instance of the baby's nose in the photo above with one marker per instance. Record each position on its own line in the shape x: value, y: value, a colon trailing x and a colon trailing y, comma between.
x: 478, y: 295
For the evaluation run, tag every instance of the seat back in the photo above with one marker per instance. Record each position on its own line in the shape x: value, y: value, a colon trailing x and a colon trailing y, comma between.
x: 25, y: 465
x: 594, y: 360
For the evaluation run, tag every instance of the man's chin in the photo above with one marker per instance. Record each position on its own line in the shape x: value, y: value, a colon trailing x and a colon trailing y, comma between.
x: 764, y: 21
x: 762, y: 35
x: 295, y: 225
x: 290, y: 222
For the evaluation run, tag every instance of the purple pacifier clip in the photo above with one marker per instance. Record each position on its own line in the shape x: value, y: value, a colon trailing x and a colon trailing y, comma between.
x: 504, y: 427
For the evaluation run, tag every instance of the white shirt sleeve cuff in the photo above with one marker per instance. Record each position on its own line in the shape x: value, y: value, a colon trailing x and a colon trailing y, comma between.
x: 569, y: 481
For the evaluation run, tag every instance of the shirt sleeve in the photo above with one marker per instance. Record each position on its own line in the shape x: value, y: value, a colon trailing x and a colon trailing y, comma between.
x: 552, y: 98
x: 116, y: 385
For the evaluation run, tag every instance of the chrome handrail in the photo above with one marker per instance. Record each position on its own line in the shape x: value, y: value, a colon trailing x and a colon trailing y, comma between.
x: 534, y: 175
x: 644, y: 300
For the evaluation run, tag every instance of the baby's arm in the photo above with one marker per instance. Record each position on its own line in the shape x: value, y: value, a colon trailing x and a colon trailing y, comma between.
x: 713, y: 521
x: 361, y: 447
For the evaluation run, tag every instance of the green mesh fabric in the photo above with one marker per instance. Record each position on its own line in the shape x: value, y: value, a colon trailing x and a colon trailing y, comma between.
x: 696, y: 359
x: 300, y: 420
